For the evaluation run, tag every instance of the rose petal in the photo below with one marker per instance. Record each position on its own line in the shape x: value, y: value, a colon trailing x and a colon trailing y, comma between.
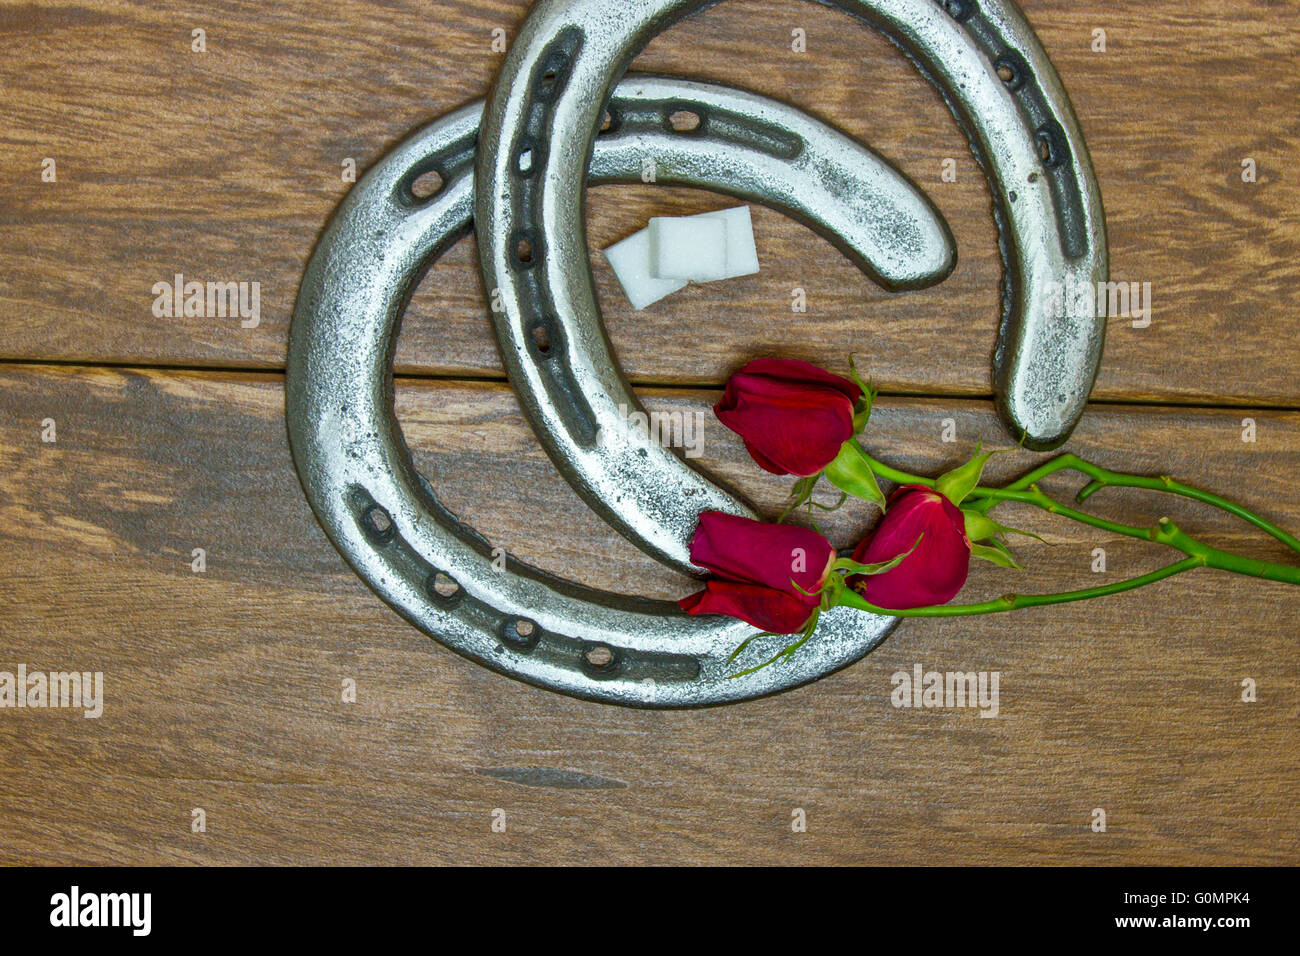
x: 765, y: 608
x: 791, y: 370
x: 758, y: 552
x: 792, y: 425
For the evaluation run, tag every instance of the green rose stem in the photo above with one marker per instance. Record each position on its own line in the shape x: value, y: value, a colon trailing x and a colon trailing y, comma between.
x: 1199, y: 554
x: 1104, y: 478
x: 1014, y: 602
x: 1101, y: 478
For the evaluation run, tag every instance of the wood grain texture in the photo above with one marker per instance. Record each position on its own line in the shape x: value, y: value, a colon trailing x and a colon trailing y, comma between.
x: 223, y: 688
x: 224, y: 166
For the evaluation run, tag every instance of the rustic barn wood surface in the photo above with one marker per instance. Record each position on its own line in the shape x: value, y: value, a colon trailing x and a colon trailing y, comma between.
x: 223, y: 688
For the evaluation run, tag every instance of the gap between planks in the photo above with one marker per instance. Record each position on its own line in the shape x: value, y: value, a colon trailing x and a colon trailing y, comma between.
x: 409, y: 378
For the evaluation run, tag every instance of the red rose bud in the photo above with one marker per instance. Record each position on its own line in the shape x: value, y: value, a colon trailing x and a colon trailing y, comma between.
x: 793, y: 416
x: 757, y: 567
x: 937, y: 567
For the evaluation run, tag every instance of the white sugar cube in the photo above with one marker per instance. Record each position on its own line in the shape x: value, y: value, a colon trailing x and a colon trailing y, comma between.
x: 742, y: 253
x: 691, y: 247
x: 660, y: 259
x: 631, y: 262
x: 688, y: 247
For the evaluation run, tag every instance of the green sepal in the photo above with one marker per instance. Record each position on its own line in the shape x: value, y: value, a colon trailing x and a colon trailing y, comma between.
x: 998, y: 553
x: 800, y: 493
x: 746, y: 642
x: 850, y: 567
x: 980, y: 527
x: 795, y: 584
x: 862, y: 410
x: 784, y: 654
x: 851, y: 473
x: 830, y: 594
x: 957, y: 484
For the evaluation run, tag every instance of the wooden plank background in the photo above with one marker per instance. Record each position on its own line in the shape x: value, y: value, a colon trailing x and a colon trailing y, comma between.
x: 223, y: 688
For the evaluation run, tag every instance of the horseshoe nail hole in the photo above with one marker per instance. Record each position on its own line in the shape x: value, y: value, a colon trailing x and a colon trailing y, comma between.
x: 547, y: 84
x: 524, y: 251
x: 541, y: 338
x: 520, y: 633
x: 1011, y: 69
x: 427, y: 185
x: 599, y: 657
x: 378, y: 524
x: 1033, y: 177
x: 959, y: 10
x: 1051, y: 150
x: 443, y: 585
x: 684, y: 121
x: 553, y: 67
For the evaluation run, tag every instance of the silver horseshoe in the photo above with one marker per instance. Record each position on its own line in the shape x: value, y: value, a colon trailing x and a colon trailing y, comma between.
x: 996, y: 78
x: 385, y: 518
